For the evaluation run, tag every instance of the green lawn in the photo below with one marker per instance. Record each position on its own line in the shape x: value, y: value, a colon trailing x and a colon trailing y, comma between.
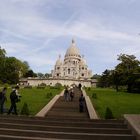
x: 35, y: 98
x: 119, y: 102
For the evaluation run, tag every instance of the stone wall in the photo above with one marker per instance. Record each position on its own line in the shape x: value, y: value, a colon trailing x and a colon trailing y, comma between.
x: 52, y: 82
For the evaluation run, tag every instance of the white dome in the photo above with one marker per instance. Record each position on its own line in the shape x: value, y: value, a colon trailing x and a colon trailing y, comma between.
x: 83, y: 62
x: 72, y: 50
x: 59, y: 62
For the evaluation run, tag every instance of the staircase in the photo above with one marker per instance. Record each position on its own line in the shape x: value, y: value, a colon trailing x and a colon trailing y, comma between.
x: 68, y: 109
x: 64, y: 121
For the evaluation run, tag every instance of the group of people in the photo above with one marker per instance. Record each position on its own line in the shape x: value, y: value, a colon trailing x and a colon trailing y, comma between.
x: 14, y: 98
x: 68, y: 94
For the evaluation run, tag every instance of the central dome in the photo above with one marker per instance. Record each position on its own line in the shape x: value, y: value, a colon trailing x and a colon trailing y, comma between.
x: 72, y: 50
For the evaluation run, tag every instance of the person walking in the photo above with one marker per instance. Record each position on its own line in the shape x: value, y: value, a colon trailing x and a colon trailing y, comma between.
x: 71, y: 95
x: 2, y: 99
x: 66, y: 94
x: 14, y: 99
x: 81, y: 103
x: 80, y: 86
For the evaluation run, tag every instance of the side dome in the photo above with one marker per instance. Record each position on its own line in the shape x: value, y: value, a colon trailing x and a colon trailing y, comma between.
x: 59, y: 62
x: 83, y: 62
x: 72, y: 50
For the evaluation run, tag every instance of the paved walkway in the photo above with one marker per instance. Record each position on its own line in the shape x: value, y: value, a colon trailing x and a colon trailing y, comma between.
x: 68, y: 109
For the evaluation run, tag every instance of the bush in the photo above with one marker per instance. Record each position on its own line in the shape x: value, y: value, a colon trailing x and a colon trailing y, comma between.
x: 25, y: 110
x: 6, y: 85
x: 89, y: 88
x: 94, y: 95
x: 108, y: 114
x: 49, y: 95
x: 28, y: 87
x: 58, y: 85
x: 41, y: 87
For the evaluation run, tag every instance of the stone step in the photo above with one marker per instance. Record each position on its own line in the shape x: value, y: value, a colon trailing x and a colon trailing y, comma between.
x: 58, y: 119
x: 10, y: 137
x: 63, y: 123
x: 66, y: 106
x: 67, y: 114
x: 64, y: 129
x: 85, y: 120
x: 65, y: 135
x: 66, y: 103
x: 64, y: 109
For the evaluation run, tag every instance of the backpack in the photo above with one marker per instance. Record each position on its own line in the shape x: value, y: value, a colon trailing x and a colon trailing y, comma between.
x: 13, y: 96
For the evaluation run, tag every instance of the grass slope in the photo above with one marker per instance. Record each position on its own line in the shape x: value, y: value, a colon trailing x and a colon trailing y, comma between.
x: 119, y: 102
x: 35, y: 98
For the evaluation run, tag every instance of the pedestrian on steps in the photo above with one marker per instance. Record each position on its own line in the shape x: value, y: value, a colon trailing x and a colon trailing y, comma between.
x: 66, y: 94
x: 71, y: 95
x: 81, y: 103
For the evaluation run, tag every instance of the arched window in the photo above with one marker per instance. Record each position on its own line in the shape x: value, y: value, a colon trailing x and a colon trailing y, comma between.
x: 68, y: 71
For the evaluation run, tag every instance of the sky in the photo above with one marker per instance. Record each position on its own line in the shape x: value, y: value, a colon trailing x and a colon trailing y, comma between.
x: 38, y: 31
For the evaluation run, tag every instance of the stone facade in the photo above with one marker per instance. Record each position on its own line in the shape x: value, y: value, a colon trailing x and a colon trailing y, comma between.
x: 53, y: 82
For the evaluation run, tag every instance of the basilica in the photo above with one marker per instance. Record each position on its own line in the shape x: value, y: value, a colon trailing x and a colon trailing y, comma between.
x: 73, y: 66
x: 70, y: 71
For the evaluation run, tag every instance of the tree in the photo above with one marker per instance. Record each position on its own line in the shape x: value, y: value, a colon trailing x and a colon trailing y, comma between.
x: 96, y: 76
x: 104, y: 80
x: 40, y: 75
x: 125, y: 74
x: 47, y: 75
x: 30, y: 73
x: 11, y: 68
x: 115, y: 78
x: 2, y: 62
x: 2, y: 53
x: 125, y: 71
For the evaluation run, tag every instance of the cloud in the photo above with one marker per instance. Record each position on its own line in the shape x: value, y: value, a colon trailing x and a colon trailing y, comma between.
x: 29, y: 30
x: 14, y: 48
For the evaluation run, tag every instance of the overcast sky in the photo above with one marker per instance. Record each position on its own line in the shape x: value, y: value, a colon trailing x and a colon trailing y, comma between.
x: 37, y: 31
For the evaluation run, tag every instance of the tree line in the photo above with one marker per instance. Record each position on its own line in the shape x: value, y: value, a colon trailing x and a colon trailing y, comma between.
x: 125, y: 76
x: 12, y: 69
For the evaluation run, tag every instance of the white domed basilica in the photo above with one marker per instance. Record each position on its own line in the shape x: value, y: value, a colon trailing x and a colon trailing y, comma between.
x: 70, y: 71
x: 73, y: 66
